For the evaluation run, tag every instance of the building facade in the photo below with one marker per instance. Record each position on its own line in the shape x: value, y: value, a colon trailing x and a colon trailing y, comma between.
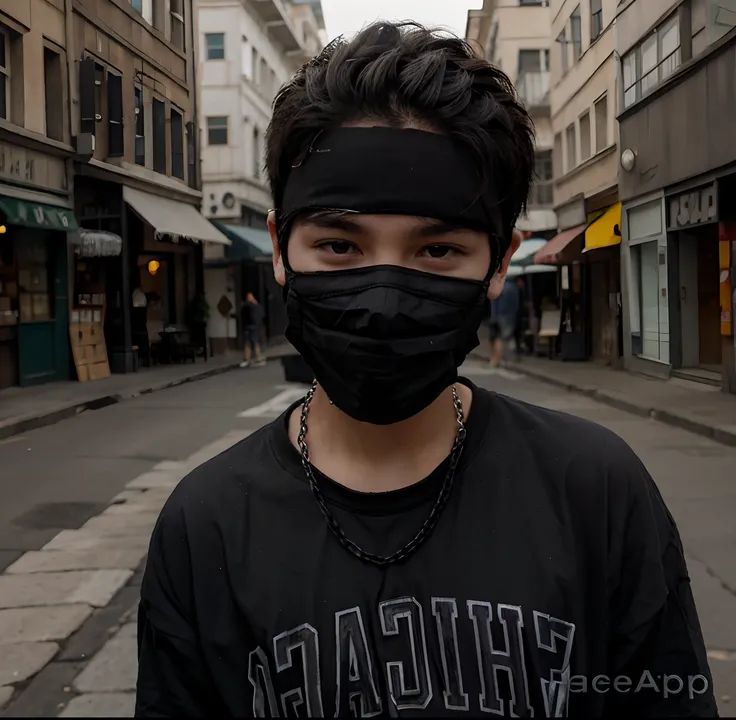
x: 678, y: 186
x: 585, y: 159
x: 98, y: 144
x: 36, y: 207
x: 248, y: 50
x: 515, y: 36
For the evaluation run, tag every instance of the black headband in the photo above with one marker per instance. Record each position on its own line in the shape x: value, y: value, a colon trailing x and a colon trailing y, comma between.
x: 379, y: 170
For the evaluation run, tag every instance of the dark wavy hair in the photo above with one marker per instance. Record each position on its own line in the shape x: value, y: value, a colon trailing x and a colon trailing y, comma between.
x: 403, y: 74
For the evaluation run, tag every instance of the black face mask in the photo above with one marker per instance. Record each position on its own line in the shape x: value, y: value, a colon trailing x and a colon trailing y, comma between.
x: 383, y: 341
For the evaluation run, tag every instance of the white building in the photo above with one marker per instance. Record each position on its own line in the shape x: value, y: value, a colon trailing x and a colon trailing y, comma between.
x: 515, y: 35
x: 247, y: 50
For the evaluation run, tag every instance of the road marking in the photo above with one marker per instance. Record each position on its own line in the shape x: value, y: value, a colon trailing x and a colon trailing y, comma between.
x: 276, y: 405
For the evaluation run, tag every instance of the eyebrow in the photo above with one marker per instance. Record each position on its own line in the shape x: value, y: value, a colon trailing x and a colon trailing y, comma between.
x: 339, y: 221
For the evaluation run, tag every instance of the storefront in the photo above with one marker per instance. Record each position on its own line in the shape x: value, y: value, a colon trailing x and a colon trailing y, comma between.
x: 679, y: 278
x: 153, y: 283
x: 603, y: 258
x: 647, y: 341
x: 34, y: 342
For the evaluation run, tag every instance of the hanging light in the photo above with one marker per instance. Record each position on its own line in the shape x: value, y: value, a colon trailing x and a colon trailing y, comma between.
x: 153, y: 266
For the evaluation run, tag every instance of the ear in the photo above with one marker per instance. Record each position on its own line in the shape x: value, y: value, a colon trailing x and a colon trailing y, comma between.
x: 278, y: 261
x: 497, y: 281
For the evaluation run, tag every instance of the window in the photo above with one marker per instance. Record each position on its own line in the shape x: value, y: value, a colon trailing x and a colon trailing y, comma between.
x: 217, y: 130
x: 192, y: 181
x: 257, y: 156
x: 576, y: 35
x: 562, y: 40
x: 529, y: 61
x: 542, y: 193
x: 4, y: 74
x: 115, y: 134
x: 137, y: 5
x: 140, y: 128
x: 596, y: 18
x: 246, y: 59
x: 254, y: 64
x: 176, y: 10
x: 557, y: 156
x: 651, y: 62
x: 263, y: 78
x: 585, y: 141
x: 215, y: 46
x: 571, y: 154
x: 648, y: 291
x: 53, y: 92
x: 159, y: 136
x: 601, y: 124
x: 177, y: 144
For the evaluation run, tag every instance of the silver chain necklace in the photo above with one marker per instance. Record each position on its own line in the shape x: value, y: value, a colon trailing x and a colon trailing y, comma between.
x: 434, y: 514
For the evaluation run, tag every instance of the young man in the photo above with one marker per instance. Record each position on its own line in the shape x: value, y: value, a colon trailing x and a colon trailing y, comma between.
x: 504, y: 319
x: 421, y: 547
x: 252, y: 322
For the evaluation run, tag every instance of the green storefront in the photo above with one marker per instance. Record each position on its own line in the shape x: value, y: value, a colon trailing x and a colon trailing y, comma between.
x: 34, y: 281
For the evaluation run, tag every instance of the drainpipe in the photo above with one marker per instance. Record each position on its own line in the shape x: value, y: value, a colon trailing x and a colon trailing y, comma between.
x: 72, y: 123
x: 194, y: 87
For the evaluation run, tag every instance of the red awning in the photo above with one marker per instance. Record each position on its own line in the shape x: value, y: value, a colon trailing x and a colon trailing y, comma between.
x: 547, y: 255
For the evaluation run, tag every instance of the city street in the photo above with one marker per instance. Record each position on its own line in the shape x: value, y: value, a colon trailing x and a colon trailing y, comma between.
x: 79, y: 500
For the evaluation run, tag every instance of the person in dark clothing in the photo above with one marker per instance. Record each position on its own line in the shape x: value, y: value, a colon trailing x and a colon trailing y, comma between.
x: 522, y: 319
x: 401, y: 542
x: 252, y: 323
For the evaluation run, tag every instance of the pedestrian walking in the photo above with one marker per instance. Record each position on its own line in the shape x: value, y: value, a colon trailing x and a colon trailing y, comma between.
x: 252, y: 322
x: 504, y: 320
x: 401, y: 542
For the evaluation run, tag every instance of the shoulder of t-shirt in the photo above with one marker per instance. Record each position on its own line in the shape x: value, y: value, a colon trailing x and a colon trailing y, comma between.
x: 580, y: 453
x: 222, y: 482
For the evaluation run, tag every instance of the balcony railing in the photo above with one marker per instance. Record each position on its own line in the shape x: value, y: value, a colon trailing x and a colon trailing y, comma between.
x: 533, y: 89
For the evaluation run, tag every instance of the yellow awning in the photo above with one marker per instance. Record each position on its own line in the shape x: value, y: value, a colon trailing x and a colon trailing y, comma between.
x: 605, y: 231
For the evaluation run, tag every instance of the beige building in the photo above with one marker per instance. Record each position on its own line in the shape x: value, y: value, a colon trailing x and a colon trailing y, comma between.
x: 515, y: 36
x: 99, y: 177
x: 584, y: 103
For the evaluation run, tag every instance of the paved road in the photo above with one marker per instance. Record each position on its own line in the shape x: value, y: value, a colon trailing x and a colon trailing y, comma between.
x: 62, y: 477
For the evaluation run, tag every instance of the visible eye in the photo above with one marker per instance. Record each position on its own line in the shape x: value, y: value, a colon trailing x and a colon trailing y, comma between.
x: 338, y: 247
x: 439, y: 252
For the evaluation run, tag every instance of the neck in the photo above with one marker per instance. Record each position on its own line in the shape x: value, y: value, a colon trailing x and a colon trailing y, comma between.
x: 378, y: 458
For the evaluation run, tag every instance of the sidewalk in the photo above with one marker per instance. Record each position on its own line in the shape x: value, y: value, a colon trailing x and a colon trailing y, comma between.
x: 701, y: 409
x: 25, y: 409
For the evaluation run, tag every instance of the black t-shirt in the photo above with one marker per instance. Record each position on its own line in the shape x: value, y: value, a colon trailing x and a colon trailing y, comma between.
x: 252, y: 314
x: 554, y: 584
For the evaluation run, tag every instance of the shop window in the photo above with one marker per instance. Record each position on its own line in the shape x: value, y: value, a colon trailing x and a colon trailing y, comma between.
x: 115, y: 130
x: 35, y: 281
x: 140, y: 128
x: 53, y: 92
x: 576, y: 34
x: 650, y: 63
x: 215, y: 43
x: 601, y: 123
x: 177, y: 145
x: 217, y: 130
x: 571, y: 154
x: 5, y: 76
x: 596, y: 19
x: 176, y: 11
x: 648, y: 287
x: 159, y: 136
x: 585, y: 142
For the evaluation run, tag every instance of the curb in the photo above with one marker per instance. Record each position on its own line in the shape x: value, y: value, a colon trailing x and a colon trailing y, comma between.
x: 724, y: 436
x: 26, y: 424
